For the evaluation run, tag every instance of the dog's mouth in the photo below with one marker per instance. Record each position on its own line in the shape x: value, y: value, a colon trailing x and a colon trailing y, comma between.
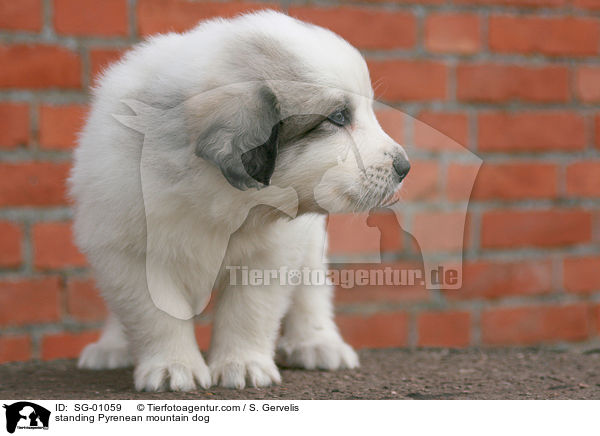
x: 370, y: 198
x: 388, y: 195
x: 392, y: 199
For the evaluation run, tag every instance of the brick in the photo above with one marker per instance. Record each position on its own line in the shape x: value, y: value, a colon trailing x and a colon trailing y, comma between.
x: 203, y: 334
x: 21, y: 15
x: 14, y: 125
x: 504, y: 181
x: 160, y: 16
x: 403, y: 2
x: 91, y: 17
x: 587, y: 4
x: 452, y: 33
x: 524, y: 3
x: 542, y: 228
x: 534, y: 325
x: 390, y: 230
x: 363, y: 233
x: 39, y: 66
x: 84, y: 302
x: 11, y: 253
x: 587, y: 84
x: 15, y: 348
x: 59, y: 126
x: 393, y: 30
x: 384, y: 294
x: 387, y: 282
x: 583, y: 179
x: 439, y: 231
x: 501, y: 83
x: 53, y: 246
x: 423, y: 180
x: 495, y: 279
x: 102, y: 58
x: 582, y: 274
x: 553, y: 36
x: 393, y: 121
x: 409, y: 80
x: 597, y: 130
x: 29, y: 301
x: 66, y: 345
x: 461, y: 179
x: 380, y: 330
x: 444, y: 329
x: 429, y: 138
x: 596, y: 226
x: 436, y: 131
x: 33, y: 184
x: 531, y: 131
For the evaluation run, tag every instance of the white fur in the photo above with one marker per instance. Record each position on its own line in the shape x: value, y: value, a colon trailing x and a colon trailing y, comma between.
x: 194, y: 214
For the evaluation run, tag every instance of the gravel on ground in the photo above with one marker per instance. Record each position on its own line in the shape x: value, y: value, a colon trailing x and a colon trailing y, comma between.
x: 384, y: 374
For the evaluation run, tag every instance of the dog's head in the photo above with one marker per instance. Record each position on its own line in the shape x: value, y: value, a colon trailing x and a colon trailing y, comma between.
x: 293, y: 107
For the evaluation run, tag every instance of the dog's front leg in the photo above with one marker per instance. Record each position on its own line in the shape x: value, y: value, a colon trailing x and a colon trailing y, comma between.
x: 164, y: 347
x: 167, y: 355
x: 244, y: 333
x: 311, y: 339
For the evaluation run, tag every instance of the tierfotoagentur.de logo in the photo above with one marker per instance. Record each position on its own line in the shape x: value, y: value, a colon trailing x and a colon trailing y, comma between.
x: 24, y: 415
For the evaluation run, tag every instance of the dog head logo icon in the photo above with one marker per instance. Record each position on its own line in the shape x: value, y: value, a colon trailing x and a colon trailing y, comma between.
x: 26, y: 415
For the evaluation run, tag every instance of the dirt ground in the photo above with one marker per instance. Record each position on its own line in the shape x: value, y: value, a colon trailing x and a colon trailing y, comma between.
x: 384, y: 374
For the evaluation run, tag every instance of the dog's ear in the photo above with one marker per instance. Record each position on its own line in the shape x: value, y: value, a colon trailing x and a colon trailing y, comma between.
x: 236, y: 127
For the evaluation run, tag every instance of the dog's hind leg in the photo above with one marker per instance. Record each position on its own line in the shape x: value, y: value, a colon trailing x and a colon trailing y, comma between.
x: 311, y: 339
x: 111, y: 351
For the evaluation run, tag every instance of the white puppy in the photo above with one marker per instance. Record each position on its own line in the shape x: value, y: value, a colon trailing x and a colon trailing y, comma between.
x: 164, y: 196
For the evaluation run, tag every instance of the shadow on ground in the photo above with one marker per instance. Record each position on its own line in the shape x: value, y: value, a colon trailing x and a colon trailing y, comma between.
x: 384, y: 374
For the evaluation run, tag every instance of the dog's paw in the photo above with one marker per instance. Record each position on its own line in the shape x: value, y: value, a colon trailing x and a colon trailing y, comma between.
x: 101, y: 356
x: 232, y: 373
x: 327, y: 354
x: 159, y: 373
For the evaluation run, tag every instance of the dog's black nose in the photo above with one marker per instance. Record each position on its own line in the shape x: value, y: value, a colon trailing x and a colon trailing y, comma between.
x: 402, y: 166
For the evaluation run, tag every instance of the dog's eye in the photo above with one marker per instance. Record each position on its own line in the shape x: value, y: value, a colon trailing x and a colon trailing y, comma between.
x: 340, y: 118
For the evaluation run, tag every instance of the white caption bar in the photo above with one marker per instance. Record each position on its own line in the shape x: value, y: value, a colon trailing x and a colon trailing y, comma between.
x: 151, y: 417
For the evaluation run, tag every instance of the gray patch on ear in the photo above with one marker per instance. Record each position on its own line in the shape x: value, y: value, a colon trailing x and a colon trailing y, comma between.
x: 238, y: 119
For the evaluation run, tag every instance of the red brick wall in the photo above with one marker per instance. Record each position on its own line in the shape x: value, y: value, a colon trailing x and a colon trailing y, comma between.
x: 515, y: 81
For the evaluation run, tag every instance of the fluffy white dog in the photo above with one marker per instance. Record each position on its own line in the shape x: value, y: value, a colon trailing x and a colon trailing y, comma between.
x: 164, y: 196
